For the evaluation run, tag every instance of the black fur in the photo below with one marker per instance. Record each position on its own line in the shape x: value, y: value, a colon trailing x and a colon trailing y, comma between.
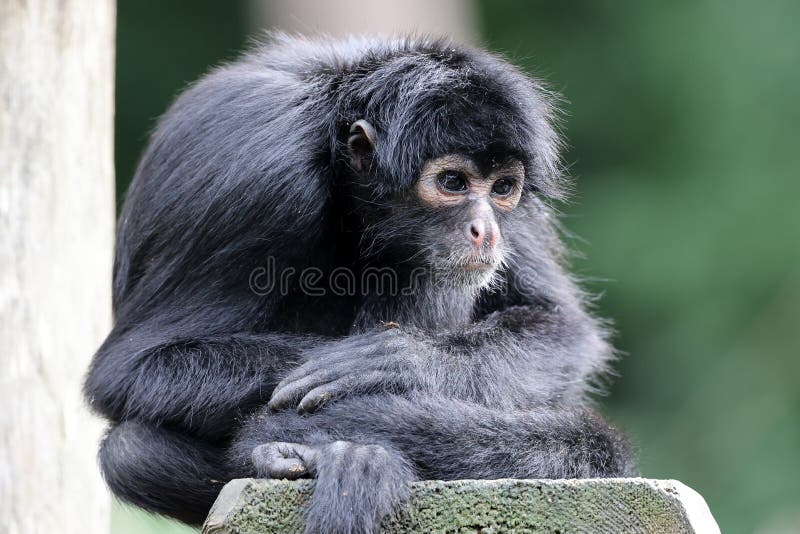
x: 249, y: 168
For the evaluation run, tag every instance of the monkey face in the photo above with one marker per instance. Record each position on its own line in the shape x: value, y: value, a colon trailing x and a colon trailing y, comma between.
x: 467, y: 204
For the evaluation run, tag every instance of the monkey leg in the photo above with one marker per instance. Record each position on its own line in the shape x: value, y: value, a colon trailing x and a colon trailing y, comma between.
x: 357, y: 482
x: 162, y: 471
x: 452, y: 439
x: 356, y: 485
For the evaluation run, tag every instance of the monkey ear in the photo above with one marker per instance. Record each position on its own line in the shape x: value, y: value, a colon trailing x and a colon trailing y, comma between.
x: 361, y: 144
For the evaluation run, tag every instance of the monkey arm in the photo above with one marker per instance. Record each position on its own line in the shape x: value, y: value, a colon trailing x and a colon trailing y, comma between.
x: 528, y: 354
x: 201, y: 385
x: 512, y: 358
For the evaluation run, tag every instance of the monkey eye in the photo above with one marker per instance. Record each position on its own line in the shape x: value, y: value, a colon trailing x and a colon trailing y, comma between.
x: 503, y: 187
x: 452, y: 182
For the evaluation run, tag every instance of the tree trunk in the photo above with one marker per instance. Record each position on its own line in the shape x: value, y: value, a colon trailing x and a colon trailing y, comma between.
x: 56, y: 236
x: 454, y: 18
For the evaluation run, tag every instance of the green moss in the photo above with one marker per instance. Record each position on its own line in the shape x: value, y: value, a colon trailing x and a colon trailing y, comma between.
x: 629, y: 505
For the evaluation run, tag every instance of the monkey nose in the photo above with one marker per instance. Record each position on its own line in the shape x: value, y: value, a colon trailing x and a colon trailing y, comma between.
x: 478, y: 233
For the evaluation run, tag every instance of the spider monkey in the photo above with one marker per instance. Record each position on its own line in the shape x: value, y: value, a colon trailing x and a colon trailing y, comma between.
x: 411, y: 160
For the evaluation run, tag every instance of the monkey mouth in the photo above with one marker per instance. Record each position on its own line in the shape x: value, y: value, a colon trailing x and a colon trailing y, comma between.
x: 470, y: 263
x: 478, y: 263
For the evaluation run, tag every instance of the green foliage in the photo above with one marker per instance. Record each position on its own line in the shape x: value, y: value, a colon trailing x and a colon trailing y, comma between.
x: 162, y: 47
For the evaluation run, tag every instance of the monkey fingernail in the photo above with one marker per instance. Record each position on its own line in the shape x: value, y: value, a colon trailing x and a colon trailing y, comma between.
x: 311, y: 403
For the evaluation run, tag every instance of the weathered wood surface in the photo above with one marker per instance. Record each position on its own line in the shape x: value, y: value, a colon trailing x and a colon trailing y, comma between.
x: 619, y: 506
x: 56, y: 235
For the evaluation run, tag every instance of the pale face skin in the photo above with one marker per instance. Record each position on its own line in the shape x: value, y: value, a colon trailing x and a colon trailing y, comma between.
x: 433, y: 192
x: 454, y: 180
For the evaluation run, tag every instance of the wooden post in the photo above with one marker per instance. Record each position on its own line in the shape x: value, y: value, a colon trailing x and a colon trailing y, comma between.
x: 56, y: 237
x: 620, y: 505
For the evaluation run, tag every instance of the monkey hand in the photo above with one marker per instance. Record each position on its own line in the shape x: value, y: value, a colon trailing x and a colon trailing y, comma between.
x: 284, y: 460
x: 386, y: 360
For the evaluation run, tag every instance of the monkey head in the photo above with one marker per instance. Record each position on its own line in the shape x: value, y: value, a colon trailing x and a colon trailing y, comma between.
x: 451, y: 220
x: 447, y: 155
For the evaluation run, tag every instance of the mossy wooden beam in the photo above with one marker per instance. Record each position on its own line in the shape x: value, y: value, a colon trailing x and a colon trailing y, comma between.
x: 486, y: 506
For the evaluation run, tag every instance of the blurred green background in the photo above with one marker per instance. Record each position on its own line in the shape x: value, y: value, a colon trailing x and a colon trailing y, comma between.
x: 682, y: 120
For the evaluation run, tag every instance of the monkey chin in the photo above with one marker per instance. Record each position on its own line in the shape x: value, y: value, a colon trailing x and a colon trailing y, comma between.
x: 471, y: 276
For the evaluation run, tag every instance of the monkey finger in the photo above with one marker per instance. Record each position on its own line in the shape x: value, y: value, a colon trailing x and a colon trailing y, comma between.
x: 349, y: 349
x: 327, y: 365
x: 312, y: 374
x: 289, y: 392
x: 299, y: 373
x: 360, y: 384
